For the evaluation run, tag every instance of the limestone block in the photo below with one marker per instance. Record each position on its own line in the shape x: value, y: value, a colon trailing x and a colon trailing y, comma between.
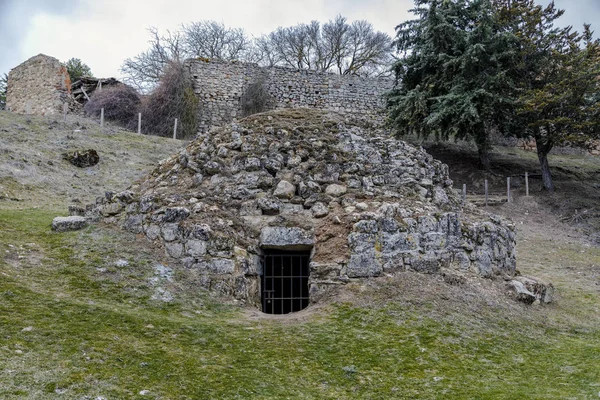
x: 336, y: 190
x: 284, y: 190
x: 65, y: 224
x: 279, y: 237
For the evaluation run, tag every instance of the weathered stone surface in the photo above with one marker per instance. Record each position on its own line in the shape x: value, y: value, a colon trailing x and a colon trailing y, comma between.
x: 319, y: 210
x: 520, y: 292
x: 64, y: 224
x: 279, y: 237
x: 133, y: 224
x: 40, y: 85
x: 218, y: 85
x: 195, y: 248
x: 335, y: 190
x: 175, y: 249
x: 284, y: 190
x: 269, y: 205
x: 216, y: 266
x: 543, y: 291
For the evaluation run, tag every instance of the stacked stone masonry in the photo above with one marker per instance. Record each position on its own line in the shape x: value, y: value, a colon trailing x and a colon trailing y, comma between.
x: 40, y: 85
x: 220, y: 85
x: 364, y: 203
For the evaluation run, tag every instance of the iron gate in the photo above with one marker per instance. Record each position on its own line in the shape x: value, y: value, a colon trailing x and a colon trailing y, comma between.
x: 285, y: 281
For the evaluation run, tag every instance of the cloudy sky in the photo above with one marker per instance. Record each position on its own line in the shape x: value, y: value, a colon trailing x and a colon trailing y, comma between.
x: 104, y: 33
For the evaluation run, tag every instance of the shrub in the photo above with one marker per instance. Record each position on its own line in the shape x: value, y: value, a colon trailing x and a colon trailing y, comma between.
x: 173, y: 98
x: 255, y: 98
x: 121, y: 104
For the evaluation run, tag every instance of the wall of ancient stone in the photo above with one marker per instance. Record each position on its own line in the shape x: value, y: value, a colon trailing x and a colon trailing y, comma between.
x: 40, y: 85
x: 220, y: 85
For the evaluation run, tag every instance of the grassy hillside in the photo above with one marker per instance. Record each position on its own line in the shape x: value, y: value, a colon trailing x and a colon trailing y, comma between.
x: 98, y: 314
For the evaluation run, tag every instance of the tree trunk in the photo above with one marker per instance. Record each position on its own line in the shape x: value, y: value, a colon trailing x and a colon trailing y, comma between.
x: 546, y: 174
x: 484, y: 157
x: 483, y: 148
x: 544, y: 145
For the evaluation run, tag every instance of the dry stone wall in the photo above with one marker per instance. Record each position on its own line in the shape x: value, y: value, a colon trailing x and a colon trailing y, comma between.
x: 364, y: 203
x: 40, y: 85
x: 220, y: 85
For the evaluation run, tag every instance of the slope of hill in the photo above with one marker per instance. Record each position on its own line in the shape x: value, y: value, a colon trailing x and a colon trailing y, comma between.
x: 98, y: 314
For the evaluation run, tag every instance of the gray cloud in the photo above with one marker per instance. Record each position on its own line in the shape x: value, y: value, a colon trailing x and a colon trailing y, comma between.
x: 15, y: 19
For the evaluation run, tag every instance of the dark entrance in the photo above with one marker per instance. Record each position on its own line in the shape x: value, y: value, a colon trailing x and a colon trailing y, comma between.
x: 285, y: 281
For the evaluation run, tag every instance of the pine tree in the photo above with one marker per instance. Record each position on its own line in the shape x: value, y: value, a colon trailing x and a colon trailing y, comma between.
x: 77, y: 69
x: 3, y: 90
x: 557, y: 77
x: 453, y: 80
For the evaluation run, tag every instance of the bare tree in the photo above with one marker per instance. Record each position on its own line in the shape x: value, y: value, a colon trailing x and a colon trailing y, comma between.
x: 214, y: 40
x: 355, y: 49
x: 348, y: 49
x: 145, y: 70
x: 366, y: 50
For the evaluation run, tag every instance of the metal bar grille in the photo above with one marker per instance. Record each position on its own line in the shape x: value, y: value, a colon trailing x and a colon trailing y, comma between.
x: 285, y: 282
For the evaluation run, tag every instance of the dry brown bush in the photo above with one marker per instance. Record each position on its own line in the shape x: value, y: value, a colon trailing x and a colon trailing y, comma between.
x: 173, y: 98
x: 121, y: 104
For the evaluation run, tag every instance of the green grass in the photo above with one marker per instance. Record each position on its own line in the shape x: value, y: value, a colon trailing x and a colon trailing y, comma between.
x: 68, y: 331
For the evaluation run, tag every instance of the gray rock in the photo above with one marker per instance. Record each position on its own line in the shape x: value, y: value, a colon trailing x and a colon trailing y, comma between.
x: 269, y: 205
x: 111, y: 209
x: 319, y: 210
x: 279, y: 237
x: 363, y: 265
x: 153, y: 232
x: 174, y: 249
x: 133, y: 223
x: 520, y: 292
x: 170, y: 232
x: 336, y: 190
x: 72, y: 223
x: 284, y: 190
x: 216, y: 266
x: 195, y: 248
x: 212, y: 168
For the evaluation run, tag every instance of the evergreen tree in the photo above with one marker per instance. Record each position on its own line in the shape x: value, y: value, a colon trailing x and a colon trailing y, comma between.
x: 453, y: 80
x: 77, y: 69
x: 557, y: 76
x: 3, y: 89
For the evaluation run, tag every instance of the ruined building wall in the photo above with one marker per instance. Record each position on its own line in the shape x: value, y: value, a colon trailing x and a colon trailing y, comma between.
x: 40, y: 85
x: 220, y: 85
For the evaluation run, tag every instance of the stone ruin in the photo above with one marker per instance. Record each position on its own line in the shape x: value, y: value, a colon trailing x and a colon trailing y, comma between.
x: 40, y: 85
x: 220, y: 86
x: 356, y: 201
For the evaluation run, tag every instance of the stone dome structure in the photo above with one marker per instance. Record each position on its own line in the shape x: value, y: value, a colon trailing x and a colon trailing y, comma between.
x: 283, y: 206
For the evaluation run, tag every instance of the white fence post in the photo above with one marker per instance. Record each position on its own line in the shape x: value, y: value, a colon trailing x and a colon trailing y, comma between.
x: 175, y: 129
x: 139, y: 123
x: 527, y: 184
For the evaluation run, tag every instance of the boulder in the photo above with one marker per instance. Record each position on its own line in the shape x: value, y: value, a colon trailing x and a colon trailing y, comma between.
x: 72, y: 223
x: 519, y: 292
